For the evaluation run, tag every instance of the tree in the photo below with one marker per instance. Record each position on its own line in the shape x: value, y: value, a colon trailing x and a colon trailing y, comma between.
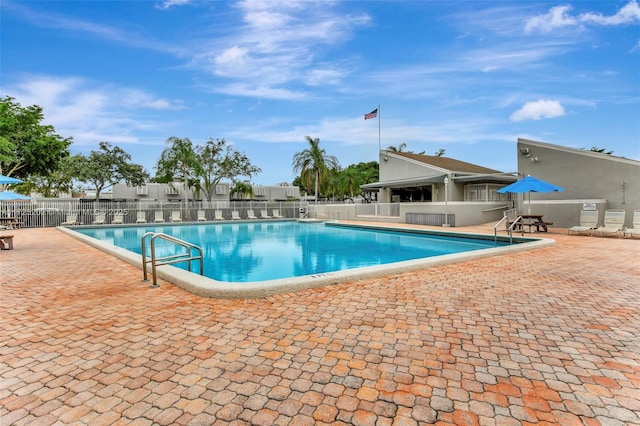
x: 601, y: 150
x: 314, y: 164
x: 58, y: 181
x: 108, y: 166
x: 440, y: 152
x: 399, y: 148
x: 28, y: 147
x: 178, y: 160
x: 215, y: 160
x: 242, y: 190
x: 356, y: 175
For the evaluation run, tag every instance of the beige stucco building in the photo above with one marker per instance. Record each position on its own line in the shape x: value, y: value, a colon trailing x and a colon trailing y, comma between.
x: 590, y: 179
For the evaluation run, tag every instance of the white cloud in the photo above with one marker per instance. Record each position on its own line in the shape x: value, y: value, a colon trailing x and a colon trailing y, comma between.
x: 88, y: 112
x: 628, y: 14
x: 277, y: 50
x: 167, y: 4
x: 537, y: 110
x: 559, y: 17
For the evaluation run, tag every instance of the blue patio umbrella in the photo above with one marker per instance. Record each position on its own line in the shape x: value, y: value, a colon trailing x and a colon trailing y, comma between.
x: 12, y: 196
x: 530, y: 184
x: 6, y: 180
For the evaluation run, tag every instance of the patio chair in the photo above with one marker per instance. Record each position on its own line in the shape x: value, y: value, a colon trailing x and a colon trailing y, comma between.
x: 141, y: 217
x: 613, y: 223
x: 218, y: 215
x: 276, y: 214
x: 635, y: 229
x: 175, y: 216
x: 588, y: 222
x: 202, y: 217
x: 100, y: 219
x: 118, y: 219
x: 251, y: 214
x: 159, y: 217
x: 72, y: 219
x: 264, y: 214
x: 235, y: 215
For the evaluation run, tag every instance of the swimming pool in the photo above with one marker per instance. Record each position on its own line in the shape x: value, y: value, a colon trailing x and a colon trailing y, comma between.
x: 252, y: 259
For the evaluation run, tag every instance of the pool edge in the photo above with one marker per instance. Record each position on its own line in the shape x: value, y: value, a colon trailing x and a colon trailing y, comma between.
x: 207, y: 287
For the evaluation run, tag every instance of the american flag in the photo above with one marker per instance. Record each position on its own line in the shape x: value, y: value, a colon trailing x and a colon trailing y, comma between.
x: 372, y: 114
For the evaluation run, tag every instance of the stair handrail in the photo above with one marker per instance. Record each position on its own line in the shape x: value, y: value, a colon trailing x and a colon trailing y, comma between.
x: 170, y: 259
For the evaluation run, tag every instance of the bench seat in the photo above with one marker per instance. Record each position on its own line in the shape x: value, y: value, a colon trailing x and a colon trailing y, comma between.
x: 6, y: 242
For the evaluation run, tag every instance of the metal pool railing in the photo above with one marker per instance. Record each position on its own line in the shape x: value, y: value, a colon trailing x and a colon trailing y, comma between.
x: 167, y: 260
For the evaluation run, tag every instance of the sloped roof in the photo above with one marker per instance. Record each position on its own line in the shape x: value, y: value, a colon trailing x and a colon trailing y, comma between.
x: 447, y: 163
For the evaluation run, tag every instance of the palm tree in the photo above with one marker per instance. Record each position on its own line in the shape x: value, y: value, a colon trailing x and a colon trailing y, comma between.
x: 399, y: 148
x: 242, y: 190
x: 314, y: 162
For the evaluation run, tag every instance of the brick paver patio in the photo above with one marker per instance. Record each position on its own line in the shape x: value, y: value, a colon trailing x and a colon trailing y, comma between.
x: 543, y: 337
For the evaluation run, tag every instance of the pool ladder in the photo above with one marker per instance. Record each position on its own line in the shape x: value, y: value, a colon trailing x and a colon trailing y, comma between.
x: 517, y: 222
x: 167, y: 260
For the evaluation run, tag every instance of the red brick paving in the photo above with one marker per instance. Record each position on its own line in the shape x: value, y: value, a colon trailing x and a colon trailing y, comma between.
x: 549, y: 336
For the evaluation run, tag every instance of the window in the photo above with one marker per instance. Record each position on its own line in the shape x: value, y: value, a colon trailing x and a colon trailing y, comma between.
x: 171, y: 190
x: 484, y: 192
x: 221, y: 189
x: 259, y: 192
x: 291, y: 192
x: 142, y: 190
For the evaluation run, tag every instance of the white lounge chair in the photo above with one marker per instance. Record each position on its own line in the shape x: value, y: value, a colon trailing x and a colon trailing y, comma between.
x: 635, y: 229
x: 588, y: 222
x: 613, y: 223
x: 72, y: 219
x: 251, y: 214
x: 276, y: 214
x: 202, y: 217
x: 118, y: 219
x: 158, y: 217
x: 100, y: 219
x: 141, y: 217
x: 175, y: 216
x: 235, y: 215
x: 218, y: 215
x: 264, y: 214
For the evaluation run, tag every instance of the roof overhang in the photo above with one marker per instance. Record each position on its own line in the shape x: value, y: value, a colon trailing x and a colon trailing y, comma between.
x: 403, y: 183
x: 486, y: 178
x: 457, y: 177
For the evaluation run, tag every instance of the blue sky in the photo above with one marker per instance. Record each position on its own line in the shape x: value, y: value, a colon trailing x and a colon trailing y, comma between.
x: 467, y: 77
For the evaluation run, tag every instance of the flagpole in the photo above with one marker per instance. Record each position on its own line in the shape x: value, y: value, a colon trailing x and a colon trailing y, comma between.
x: 379, y: 143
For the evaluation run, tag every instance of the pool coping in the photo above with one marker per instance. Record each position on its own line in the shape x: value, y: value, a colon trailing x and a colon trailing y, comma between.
x: 208, y: 287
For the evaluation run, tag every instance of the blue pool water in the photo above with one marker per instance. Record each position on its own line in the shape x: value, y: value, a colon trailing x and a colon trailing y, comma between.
x: 259, y: 251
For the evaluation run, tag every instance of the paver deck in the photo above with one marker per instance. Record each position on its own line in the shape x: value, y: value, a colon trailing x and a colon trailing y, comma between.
x: 549, y: 336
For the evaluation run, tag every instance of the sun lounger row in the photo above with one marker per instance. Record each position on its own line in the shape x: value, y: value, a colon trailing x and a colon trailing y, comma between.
x: 176, y: 216
x: 613, y: 223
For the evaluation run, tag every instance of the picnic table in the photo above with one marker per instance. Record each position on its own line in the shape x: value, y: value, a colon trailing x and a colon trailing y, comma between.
x: 10, y: 222
x: 531, y: 220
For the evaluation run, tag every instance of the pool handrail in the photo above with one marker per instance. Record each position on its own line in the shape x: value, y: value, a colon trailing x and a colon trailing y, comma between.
x: 167, y: 260
x: 510, y: 227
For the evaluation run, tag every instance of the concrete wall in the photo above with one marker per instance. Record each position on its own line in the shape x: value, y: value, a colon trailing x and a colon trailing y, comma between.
x: 584, y: 175
x: 466, y: 213
x: 276, y: 193
x: 566, y: 213
x: 158, y: 191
